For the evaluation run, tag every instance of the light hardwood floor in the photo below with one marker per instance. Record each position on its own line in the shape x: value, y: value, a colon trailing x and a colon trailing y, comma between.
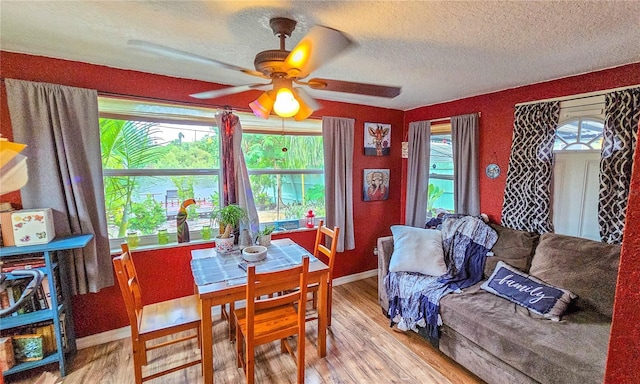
x: 361, y: 348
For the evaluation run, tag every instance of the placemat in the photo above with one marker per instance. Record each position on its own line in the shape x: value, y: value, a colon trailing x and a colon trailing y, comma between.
x: 231, y: 267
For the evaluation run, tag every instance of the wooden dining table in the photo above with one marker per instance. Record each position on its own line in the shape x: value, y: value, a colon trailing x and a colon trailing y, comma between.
x: 221, y: 279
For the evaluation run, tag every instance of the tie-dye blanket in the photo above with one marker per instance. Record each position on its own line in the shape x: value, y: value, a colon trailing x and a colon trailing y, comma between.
x: 414, y: 298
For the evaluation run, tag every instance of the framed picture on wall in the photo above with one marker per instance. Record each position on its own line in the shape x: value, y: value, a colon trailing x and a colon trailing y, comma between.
x: 375, y: 185
x: 377, y: 139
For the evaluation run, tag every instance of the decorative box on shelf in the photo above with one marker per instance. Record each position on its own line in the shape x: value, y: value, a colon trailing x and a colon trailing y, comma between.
x: 32, y: 226
x: 28, y: 347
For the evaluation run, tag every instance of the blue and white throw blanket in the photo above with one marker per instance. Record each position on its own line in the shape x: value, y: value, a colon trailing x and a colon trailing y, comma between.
x: 414, y: 298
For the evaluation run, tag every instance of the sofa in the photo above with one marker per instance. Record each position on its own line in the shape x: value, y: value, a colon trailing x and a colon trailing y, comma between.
x: 503, y: 342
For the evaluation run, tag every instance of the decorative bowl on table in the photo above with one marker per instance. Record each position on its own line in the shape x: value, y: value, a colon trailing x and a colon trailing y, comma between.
x: 254, y: 253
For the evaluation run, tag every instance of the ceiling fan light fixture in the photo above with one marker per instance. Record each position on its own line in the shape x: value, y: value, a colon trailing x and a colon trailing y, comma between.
x: 286, y: 104
x: 263, y: 105
x: 305, y: 110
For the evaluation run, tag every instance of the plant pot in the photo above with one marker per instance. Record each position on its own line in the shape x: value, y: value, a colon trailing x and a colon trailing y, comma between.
x: 224, y: 245
x: 264, y: 240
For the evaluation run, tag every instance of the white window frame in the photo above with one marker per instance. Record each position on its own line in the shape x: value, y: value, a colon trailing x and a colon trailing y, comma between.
x: 111, y: 107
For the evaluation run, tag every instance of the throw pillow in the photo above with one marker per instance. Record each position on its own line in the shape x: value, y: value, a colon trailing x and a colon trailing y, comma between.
x: 525, y: 290
x: 417, y: 250
x: 514, y: 247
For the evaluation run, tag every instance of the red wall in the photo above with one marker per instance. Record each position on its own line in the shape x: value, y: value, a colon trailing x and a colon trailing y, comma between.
x: 624, y: 346
x: 496, y: 129
x: 104, y: 311
x: 97, y: 312
x: 496, y: 121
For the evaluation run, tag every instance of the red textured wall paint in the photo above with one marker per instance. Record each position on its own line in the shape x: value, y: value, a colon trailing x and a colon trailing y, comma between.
x: 104, y: 311
x: 496, y: 122
x: 624, y: 345
x: 371, y: 219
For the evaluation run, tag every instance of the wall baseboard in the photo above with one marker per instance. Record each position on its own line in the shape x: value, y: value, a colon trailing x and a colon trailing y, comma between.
x: 125, y: 332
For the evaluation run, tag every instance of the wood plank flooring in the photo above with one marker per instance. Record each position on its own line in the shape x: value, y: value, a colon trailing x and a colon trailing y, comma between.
x: 361, y: 348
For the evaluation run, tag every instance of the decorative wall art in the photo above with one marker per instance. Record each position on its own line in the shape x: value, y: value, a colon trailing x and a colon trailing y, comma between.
x: 377, y: 139
x: 375, y: 185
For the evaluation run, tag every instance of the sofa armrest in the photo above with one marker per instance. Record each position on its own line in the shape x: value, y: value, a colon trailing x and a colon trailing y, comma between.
x: 385, y: 249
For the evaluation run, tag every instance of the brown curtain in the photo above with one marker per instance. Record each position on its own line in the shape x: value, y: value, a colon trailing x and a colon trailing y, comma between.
x: 418, y: 173
x: 337, y: 137
x: 464, y: 135
x: 61, y: 128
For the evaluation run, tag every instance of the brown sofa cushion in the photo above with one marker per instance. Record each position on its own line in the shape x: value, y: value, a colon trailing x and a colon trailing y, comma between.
x: 585, y: 267
x: 513, y: 247
x: 571, y: 351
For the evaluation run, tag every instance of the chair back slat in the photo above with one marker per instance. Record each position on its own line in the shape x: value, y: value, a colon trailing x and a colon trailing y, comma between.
x: 322, y: 236
x: 130, y: 289
x: 292, y: 280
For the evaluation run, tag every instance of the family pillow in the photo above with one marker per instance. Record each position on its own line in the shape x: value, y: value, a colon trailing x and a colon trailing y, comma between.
x: 417, y: 250
x: 518, y: 287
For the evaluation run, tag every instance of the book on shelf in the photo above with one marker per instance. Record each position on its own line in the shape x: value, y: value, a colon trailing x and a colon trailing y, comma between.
x: 28, y: 261
x: 4, y: 297
x: 46, y: 291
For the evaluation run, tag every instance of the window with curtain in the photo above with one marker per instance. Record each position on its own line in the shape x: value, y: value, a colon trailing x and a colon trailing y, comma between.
x: 441, y: 172
x: 156, y: 155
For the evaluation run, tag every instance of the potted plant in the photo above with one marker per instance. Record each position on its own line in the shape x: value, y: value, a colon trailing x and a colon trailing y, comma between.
x: 264, y: 236
x: 229, y: 219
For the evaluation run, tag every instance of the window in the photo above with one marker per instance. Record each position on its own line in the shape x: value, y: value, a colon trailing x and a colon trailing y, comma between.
x: 156, y: 155
x: 579, y: 134
x: 581, y: 124
x: 440, y: 193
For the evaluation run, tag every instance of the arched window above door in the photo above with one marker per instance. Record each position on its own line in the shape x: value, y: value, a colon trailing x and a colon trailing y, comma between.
x: 579, y: 134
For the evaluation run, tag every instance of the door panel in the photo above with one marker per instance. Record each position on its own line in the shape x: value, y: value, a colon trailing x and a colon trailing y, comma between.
x: 575, y: 193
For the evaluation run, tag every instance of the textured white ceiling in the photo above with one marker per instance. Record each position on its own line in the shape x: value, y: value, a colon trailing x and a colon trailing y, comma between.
x: 436, y: 51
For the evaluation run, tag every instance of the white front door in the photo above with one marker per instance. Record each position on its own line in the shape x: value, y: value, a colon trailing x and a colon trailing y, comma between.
x: 575, y: 193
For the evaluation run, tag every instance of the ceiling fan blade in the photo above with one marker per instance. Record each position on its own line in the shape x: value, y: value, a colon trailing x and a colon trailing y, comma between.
x: 228, y: 91
x: 171, y: 52
x: 306, y: 97
x: 318, y: 47
x: 358, y: 88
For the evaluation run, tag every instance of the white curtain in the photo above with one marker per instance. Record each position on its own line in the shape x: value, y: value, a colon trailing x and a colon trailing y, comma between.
x: 61, y: 128
x: 418, y: 173
x: 236, y: 184
x: 337, y: 134
x: 464, y: 135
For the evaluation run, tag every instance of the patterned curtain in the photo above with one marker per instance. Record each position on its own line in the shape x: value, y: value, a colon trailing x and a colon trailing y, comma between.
x: 527, y: 195
x: 622, y: 110
x: 236, y: 187
x: 229, y: 122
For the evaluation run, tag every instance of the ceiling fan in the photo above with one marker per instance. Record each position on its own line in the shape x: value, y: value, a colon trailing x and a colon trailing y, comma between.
x: 284, y: 69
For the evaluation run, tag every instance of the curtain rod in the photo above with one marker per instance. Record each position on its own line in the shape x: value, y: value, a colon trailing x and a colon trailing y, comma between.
x: 447, y: 118
x: 168, y: 101
x: 579, y: 96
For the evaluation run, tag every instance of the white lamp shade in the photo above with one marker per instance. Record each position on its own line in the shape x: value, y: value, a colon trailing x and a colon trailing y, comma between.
x: 286, y: 104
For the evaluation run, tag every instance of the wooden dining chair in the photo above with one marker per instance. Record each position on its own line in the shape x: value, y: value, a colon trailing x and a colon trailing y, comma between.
x: 267, y: 318
x: 322, y: 235
x: 153, y: 321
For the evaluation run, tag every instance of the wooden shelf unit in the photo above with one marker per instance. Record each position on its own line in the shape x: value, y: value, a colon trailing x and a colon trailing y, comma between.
x: 59, y: 308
